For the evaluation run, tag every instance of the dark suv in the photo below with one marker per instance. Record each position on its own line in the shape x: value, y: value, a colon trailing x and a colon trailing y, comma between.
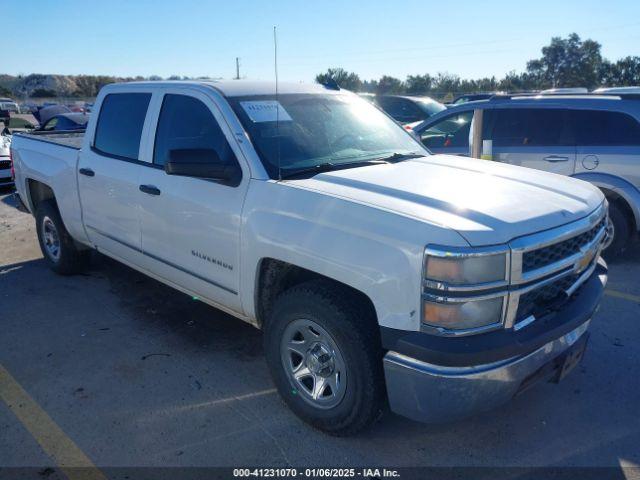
x: 408, y: 109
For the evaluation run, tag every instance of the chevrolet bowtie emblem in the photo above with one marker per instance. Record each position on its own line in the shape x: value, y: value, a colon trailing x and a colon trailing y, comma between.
x: 588, y: 254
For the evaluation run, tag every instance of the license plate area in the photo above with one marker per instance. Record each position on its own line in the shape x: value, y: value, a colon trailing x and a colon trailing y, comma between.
x: 566, y: 362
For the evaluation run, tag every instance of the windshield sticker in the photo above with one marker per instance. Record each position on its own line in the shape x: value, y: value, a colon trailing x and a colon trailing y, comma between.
x: 266, y: 111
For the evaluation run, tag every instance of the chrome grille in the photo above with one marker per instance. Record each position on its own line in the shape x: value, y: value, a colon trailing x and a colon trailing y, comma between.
x: 545, y: 299
x: 559, y: 251
x: 549, y: 267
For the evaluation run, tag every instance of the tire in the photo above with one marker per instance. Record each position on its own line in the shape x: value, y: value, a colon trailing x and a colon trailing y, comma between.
x: 58, y: 248
x: 349, y: 346
x: 621, y: 233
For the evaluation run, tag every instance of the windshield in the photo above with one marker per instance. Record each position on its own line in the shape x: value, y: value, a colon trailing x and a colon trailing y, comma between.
x: 430, y: 106
x: 319, y: 129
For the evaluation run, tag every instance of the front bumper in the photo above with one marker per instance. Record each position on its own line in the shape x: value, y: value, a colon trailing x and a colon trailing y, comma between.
x: 453, y: 388
x: 5, y: 177
x: 5, y: 173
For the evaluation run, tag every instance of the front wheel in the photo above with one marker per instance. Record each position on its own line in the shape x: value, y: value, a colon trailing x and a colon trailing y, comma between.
x: 325, y: 358
x: 620, y: 230
x: 58, y: 248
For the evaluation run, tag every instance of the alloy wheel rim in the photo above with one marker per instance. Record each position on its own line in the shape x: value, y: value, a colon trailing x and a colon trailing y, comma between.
x: 50, y: 239
x: 313, y: 363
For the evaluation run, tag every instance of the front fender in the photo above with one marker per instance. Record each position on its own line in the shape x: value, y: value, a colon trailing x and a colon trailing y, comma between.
x: 376, y: 252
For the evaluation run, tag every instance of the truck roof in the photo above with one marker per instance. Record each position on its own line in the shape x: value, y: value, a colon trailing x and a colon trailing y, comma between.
x: 240, y: 88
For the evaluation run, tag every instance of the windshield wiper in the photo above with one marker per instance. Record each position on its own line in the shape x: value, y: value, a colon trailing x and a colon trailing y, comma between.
x: 398, y: 157
x: 328, y: 167
x: 321, y: 167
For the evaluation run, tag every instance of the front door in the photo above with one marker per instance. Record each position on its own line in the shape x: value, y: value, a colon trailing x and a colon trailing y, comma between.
x: 540, y: 138
x: 108, y: 175
x: 449, y: 135
x: 191, y: 226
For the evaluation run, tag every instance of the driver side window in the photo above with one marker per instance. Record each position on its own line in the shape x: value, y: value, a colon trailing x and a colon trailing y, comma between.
x: 186, y: 123
x: 452, y: 131
x: 51, y: 124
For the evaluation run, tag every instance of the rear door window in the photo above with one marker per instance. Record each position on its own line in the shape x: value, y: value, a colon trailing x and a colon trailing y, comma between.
x: 603, y: 128
x: 530, y: 127
x: 120, y: 124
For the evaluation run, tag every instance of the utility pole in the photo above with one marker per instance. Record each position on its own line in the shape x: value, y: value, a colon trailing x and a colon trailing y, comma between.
x: 237, y: 68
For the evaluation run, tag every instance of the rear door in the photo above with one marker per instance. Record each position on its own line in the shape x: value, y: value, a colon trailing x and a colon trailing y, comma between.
x: 540, y: 138
x: 608, y: 142
x: 191, y: 226
x: 108, y: 175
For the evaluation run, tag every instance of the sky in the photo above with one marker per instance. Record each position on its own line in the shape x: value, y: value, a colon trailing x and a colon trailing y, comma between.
x: 203, y: 38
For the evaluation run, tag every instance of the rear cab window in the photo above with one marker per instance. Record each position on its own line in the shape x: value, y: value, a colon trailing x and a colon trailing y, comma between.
x: 120, y: 125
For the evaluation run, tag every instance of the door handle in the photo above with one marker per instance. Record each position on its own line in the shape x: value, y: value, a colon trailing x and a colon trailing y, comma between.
x: 87, y: 172
x: 150, y: 189
x: 556, y: 158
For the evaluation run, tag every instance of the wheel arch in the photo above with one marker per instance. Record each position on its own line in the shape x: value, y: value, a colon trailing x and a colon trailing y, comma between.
x: 619, y: 191
x: 275, y: 276
x: 38, y: 192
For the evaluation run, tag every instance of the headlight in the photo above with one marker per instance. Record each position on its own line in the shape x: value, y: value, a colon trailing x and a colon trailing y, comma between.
x: 464, y: 289
x: 463, y: 315
x: 455, y: 269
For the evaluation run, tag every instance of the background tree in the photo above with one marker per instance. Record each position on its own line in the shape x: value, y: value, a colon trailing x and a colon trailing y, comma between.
x: 418, y: 84
x: 568, y: 62
x: 624, y: 72
x: 389, y: 85
x: 446, y: 83
x: 344, y: 79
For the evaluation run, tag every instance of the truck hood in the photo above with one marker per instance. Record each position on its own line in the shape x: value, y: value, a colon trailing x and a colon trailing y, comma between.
x: 486, y: 202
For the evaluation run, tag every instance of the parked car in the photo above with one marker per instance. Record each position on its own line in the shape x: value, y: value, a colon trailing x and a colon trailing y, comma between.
x: 591, y: 137
x: 66, y: 121
x: 28, y: 108
x: 45, y: 112
x: 374, y: 268
x: 5, y: 159
x: 9, y: 106
x: 408, y: 109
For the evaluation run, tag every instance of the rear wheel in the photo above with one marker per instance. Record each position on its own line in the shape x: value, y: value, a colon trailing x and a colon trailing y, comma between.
x: 58, y: 248
x: 325, y: 358
x: 620, y: 230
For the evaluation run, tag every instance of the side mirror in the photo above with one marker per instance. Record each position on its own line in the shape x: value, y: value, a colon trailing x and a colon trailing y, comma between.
x: 201, y: 163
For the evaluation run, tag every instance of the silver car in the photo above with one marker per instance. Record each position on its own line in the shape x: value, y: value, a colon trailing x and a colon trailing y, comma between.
x: 593, y: 137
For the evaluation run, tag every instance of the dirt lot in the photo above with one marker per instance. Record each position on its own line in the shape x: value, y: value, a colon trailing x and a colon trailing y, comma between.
x: 115, y: 369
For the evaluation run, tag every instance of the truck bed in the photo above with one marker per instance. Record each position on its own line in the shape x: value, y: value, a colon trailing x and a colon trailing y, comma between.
x: 63, y: 138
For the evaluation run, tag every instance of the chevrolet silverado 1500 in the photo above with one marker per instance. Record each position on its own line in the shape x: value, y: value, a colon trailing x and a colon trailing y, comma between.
x: 378, y: 272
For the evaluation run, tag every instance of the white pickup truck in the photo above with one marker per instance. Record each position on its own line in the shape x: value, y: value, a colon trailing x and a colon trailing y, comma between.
x: 379, y: 273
